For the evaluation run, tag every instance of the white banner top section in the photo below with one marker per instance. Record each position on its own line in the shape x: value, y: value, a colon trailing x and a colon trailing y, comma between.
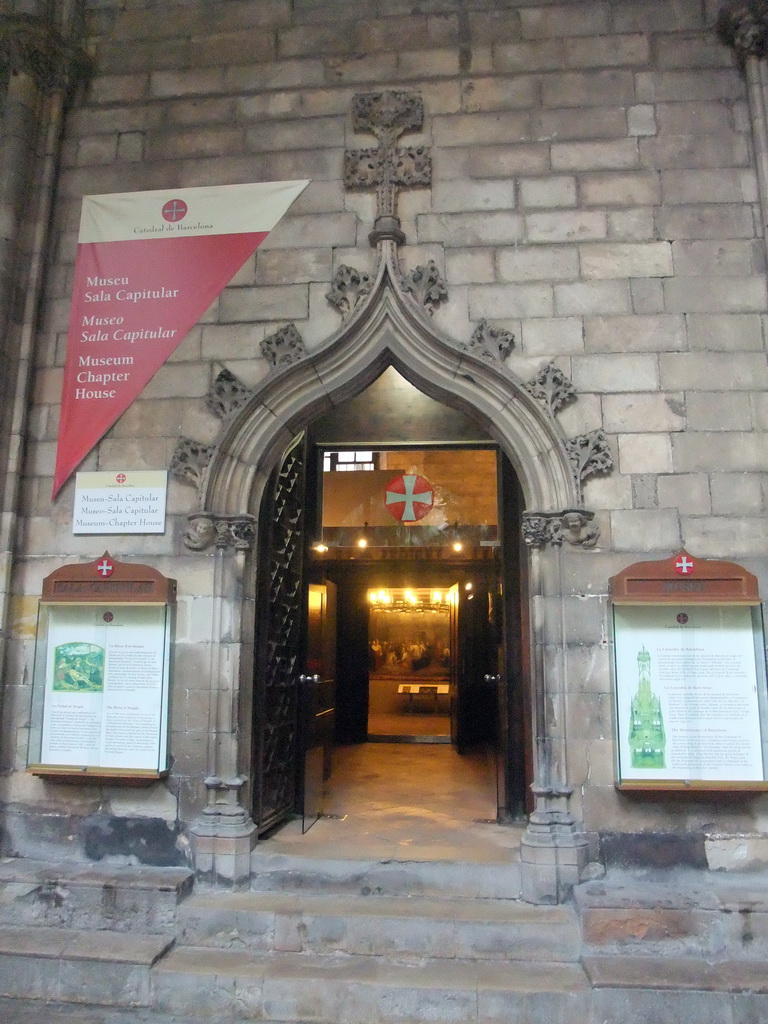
x: 213, y: 210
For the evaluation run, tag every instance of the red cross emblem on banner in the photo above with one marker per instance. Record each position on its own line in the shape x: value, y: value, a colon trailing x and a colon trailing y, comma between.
x: 409, y: 497
x: 105, y: 567
x: 684, y: 565
x: 175, y: 209
x: 120, y: 478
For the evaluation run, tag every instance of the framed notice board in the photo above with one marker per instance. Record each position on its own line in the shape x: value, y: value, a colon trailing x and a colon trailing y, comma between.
x: 102, y: 669
x: 689, y: 676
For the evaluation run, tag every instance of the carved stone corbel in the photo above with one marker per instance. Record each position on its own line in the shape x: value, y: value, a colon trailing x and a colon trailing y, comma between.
x: 284, y: 348
x: 573, y: 525
x: 35, y: 47
x: 744, y: 27
x: 200, y: 532
x: 225, y: 531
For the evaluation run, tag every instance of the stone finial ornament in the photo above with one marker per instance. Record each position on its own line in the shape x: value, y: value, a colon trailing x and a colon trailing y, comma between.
x: 427, y: 286
x: 190, y: 460
x: 349, y: 288
x: 552, y: 387
x: 491, y: 343
x: 387, y: 115
x: 226, y: 395
x: 589, y: 454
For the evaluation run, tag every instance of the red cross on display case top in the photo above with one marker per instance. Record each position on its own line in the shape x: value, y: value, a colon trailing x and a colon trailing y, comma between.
x: 105, y: 567
x: 409, y: 497
x: 684, y: 566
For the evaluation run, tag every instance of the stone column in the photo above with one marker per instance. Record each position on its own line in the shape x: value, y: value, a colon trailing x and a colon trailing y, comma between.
x: 224, y: 835
x: 40, y: 67
x: 553, y: 850
x: 744, y: 27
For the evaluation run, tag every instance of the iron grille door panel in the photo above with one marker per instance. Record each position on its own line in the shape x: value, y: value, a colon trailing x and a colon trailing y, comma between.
x: 279, y: 643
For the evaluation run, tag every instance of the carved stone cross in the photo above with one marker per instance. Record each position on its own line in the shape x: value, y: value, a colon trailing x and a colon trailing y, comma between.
x: 387, y: 115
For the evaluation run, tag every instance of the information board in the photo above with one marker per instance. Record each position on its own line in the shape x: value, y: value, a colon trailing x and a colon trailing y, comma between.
x: 102, y: 672
x: 106, y: 687
x: 689, y: 676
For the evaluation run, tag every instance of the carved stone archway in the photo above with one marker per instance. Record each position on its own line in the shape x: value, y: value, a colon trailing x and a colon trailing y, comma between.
x: 387, y: 321
x: 390, y: 328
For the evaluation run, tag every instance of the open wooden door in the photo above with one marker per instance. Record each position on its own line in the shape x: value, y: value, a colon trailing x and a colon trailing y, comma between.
x: 318, y: 685
x: 475, y: 673
x: 453, y: 682
x: 279, y: 642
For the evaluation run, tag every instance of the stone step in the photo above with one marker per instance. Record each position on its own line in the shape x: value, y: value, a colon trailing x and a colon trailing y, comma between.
x: 376, y: 925
x: 649, y: 988
x: 349, y: 989
x: 707, y: 917
x: 680, y: 974
x: 279, y: 872
x: 71, y: 965
x: 92, y: 896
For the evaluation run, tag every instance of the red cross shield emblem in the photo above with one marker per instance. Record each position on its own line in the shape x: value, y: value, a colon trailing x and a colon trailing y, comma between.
x: 409, y: 497
x: 174, y: 210
x: 684, y: 566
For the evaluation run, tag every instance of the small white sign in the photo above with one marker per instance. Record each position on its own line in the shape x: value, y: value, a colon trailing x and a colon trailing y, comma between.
x: 120, y: 501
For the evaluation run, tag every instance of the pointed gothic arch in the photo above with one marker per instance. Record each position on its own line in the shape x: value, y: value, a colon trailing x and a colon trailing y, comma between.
x: 388, y: 329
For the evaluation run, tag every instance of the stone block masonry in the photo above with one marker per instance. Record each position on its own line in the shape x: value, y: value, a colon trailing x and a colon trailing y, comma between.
x: 593, y: 191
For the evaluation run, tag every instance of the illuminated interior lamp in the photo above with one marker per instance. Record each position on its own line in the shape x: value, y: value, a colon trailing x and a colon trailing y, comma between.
x: 373, y: 597
x: 362, y: 543
x: 437, y: 597
x: 467, y: 586
x: 456, y: 543
x: 320, y: 547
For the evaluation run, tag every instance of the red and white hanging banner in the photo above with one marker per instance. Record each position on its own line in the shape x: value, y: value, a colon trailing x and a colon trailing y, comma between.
x: 148, y: 266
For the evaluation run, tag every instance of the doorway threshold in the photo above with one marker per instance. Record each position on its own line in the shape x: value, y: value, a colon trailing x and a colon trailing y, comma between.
x: 402, y: 803
x: 392, y: 738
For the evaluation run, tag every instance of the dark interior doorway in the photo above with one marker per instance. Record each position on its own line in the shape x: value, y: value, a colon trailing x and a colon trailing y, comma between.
x: 464, y: 683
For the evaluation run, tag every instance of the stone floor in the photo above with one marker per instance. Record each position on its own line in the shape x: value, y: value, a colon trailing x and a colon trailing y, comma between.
x: 415, y: 723
x: 406, y: 800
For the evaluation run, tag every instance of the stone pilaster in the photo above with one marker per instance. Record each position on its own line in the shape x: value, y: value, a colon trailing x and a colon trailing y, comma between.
x: 553, y: 853
x: 744, y: 27
x: 554, y: 849
x: 41, y: 64
x: 224, y: 835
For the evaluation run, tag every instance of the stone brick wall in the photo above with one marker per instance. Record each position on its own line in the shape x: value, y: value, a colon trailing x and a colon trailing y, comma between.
x: 593, y: 192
